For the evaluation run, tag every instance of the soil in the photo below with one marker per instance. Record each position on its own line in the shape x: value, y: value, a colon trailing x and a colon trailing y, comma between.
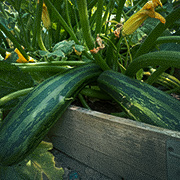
x: 103, y: 106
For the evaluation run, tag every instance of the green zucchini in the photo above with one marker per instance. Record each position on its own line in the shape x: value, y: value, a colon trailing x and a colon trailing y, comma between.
x: 27, y: 124
x: 141, y: 101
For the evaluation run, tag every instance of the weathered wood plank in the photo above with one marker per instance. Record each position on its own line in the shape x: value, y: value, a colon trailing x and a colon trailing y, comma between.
x: 114, y: 146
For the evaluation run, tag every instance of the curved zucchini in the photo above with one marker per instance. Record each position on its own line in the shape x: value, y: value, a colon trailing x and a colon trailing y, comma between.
x: 141, y: 101
x: 27, y: 124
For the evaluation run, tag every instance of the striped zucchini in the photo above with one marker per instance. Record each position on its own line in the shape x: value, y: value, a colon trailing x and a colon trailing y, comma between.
x: 141, y: 101
x: 27, y: 124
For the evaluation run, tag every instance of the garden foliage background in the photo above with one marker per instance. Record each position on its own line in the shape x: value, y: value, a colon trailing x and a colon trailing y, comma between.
x: 41, y: 38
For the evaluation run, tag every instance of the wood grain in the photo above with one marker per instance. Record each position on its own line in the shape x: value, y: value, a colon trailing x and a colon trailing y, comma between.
x: 117, y: 147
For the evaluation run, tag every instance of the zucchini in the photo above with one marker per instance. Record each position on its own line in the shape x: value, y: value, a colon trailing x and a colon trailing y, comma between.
x: 141, y: 101
x: 27, y: 124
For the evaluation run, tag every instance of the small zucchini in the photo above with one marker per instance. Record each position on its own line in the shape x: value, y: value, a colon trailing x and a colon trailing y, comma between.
x: 141, y: 101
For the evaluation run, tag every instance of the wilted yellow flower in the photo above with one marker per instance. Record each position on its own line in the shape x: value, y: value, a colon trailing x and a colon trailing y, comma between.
x: 100, y: 43
x: 45, y: 17
x: 137, y: 19
x: 119, y: 27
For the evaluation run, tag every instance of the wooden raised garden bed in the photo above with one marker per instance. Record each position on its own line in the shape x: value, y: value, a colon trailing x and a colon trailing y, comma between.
x: 116, y: 147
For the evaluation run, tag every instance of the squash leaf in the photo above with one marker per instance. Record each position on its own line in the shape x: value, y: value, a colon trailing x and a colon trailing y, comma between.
x: 61, y: 50
x: 13, y: 79
x: 37, y: 165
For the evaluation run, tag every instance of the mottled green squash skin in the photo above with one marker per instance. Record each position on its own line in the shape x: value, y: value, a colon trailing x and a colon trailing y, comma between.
x: 141, y: 101
x: 27, y: 124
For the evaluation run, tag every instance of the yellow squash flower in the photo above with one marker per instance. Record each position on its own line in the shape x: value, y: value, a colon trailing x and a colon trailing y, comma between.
x: 21, y: 58
x: 137, y: 19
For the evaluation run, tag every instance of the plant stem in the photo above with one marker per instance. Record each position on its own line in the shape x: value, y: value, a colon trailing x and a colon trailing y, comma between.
x: 168, y: 81
x: 38, y: 26
x: 91, y: 4
x: 165, y: 59
x: 52, y: 63
x: 24, y: 33
x: 55, y: 69
x: 134, y: 7
x: 14, y: 95
x: 119, y: 58
x: 57, y: 33
x: 155, y: 75
x: 2, y: 51
x: 3, y: 38
x: 129, y: 52
x: 95, y: 94
x: 13, y: 39
x: 177, y: 89
x: 99, y: 17
x: 67, y: 14
x: 3, y: 10
x: 62, y: 21
x: 83, y: 102
x: 83, y: 14
x: 12, y: 3
x: 119, y: 10
x: 34, y: 42
x: 110, y: 53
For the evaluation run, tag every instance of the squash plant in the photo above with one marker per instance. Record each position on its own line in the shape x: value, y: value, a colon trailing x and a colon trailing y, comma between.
x: 95, y: 55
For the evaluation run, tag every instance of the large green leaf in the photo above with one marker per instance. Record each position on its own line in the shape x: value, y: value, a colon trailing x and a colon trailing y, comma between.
x: 40, y: 162
x: 13, y: 79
